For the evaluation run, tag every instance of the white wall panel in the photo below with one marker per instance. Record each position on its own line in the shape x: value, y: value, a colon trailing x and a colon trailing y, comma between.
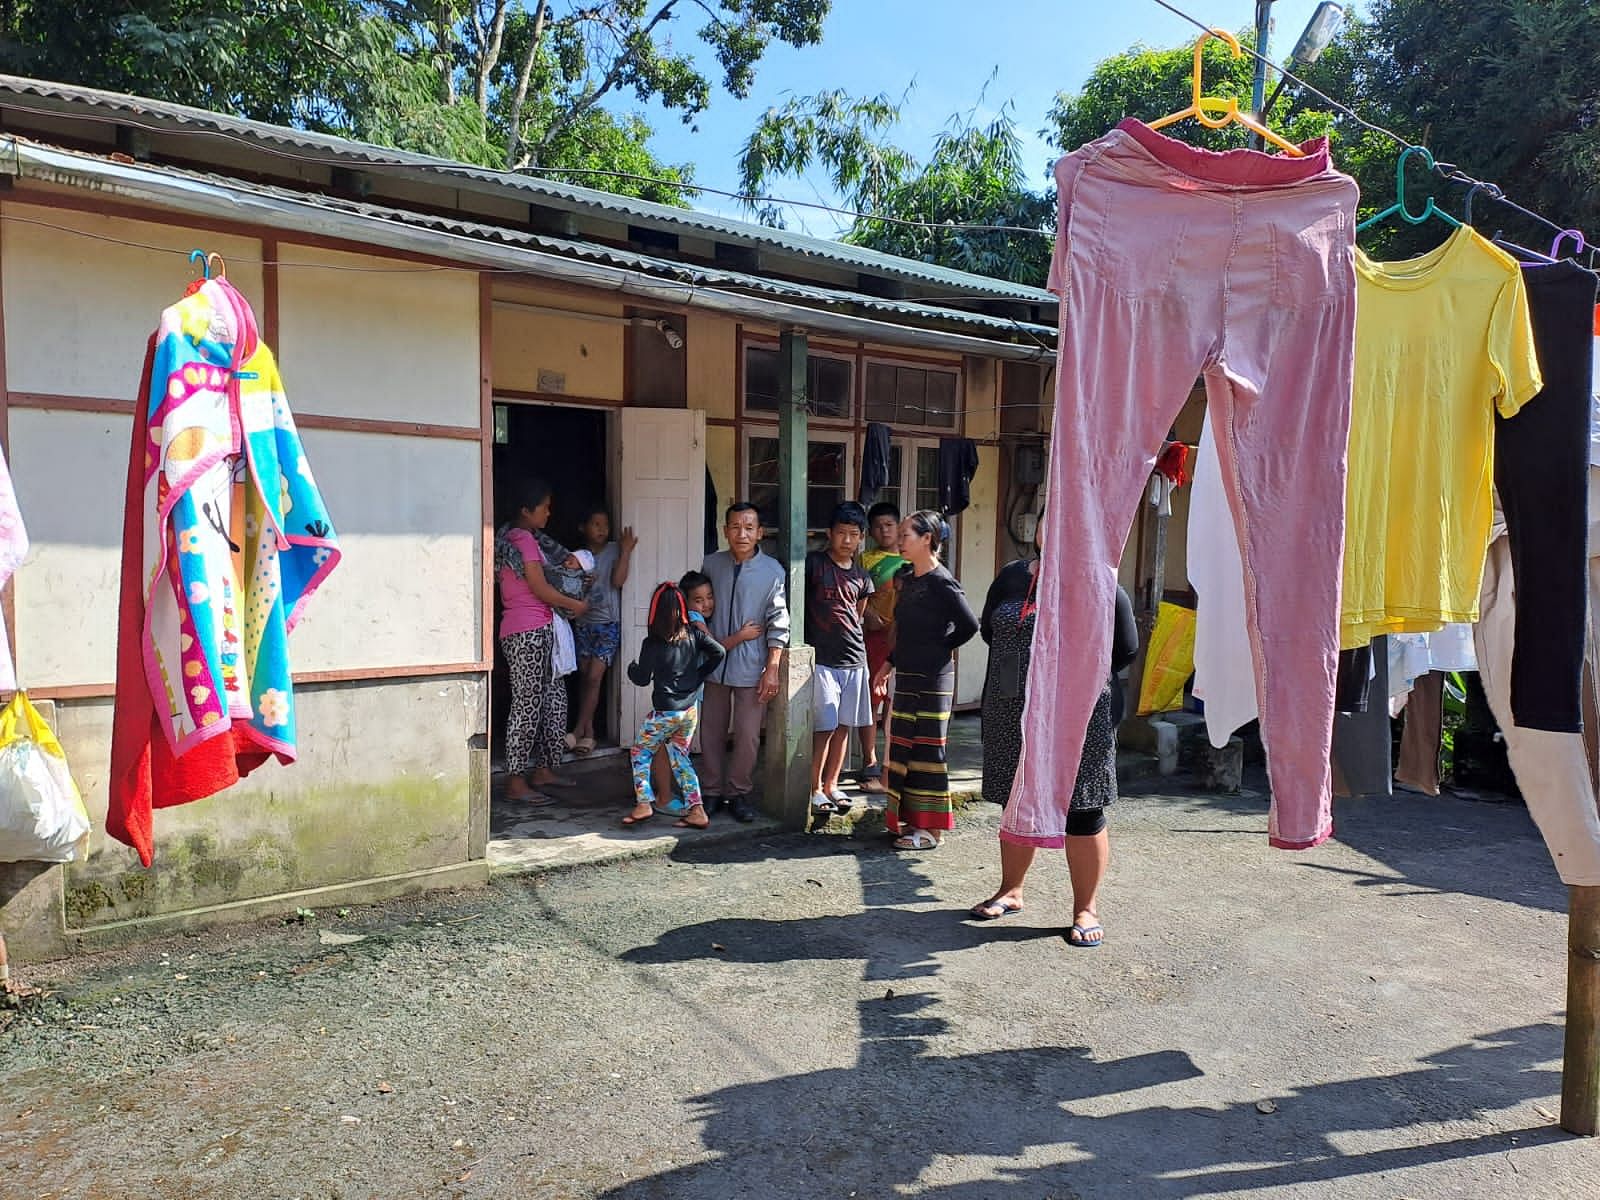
x: 406, y: 592
x: 79, y: 309
x: 70, y: 471
x: 381, y: 338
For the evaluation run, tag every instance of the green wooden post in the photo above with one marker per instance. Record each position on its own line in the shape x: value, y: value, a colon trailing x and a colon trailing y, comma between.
x: 786, y: 793
x: 792, y: 461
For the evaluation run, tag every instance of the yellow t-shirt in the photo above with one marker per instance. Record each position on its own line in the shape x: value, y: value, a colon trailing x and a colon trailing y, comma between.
x: 1442, y: 341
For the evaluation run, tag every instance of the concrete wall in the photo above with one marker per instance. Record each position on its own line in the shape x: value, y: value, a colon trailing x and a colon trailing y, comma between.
x: 977, y: 569
x: 389, y: 793
x: 382, y: 787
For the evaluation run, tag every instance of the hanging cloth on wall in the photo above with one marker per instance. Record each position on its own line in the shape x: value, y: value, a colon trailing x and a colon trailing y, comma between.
x: 225, y: 539
x: 874, y: 462
x: 13, y: 549
x: 958, y: 463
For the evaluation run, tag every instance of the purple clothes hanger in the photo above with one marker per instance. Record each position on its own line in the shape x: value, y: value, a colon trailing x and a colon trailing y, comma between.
x: 1555, y: 246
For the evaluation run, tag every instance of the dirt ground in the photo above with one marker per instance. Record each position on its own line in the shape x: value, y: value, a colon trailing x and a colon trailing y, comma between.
x: 792, y: 1016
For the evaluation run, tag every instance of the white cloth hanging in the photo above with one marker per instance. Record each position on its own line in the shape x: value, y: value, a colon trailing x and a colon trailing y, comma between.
x: 1224, y: 677
x: 13, y: 549
x: 1552, y: 769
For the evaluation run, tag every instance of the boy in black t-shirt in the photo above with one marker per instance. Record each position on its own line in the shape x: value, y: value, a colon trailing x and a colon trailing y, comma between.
x: 837, y: 588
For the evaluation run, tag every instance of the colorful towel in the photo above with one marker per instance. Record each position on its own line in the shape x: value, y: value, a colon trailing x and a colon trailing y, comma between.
x: 225, y: 539
x: 13, y: 549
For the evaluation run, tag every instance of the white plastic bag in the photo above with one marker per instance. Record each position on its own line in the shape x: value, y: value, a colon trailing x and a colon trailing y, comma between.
x: 42, y: 818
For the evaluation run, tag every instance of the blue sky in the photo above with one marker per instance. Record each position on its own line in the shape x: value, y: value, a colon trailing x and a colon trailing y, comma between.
x: 946, y: 51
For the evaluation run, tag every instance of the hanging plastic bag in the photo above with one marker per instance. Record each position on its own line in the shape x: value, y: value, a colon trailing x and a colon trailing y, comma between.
x: 42, y: 818
x: 1169, y: 660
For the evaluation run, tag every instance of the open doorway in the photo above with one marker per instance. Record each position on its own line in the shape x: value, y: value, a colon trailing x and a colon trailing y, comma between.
x: 566, y: 447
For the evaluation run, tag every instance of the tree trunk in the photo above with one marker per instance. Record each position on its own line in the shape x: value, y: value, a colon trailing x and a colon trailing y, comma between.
x: 612, y: 76
x: 444, y: 43
x: 524, y: 74
x: 489, y: 55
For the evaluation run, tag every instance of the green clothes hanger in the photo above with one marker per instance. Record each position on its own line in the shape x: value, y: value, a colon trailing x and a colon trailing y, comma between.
x: 1430, y: 209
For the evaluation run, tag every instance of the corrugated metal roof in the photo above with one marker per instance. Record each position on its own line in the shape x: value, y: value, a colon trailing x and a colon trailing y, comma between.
x: 161, y: 116
x: 690, y: 275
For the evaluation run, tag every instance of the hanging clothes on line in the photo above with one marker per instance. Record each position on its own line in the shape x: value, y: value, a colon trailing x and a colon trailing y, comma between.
x: 1443, y: 341
x: 1173, y: 263
x: 958, y: 463
x: 225, y: 539
x: 13, y: 549
x: 874, y: 462
x: 1541, y: 473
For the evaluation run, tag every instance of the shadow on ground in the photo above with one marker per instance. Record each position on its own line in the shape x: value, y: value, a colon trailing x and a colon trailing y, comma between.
x: 890, y: 1122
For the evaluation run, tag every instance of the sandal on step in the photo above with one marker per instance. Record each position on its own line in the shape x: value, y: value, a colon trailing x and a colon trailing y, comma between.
x: 993, y: 910
x: 917, y: 839
x: 583, y: 746
x: 631, y: 820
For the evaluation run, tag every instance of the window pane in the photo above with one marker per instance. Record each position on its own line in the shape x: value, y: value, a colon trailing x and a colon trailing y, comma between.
x: 761, y: 378
x: 880, y: 405
x: 910, y: 385
x: 827, y: 482
x: 927, y: 486
x: 763, y: 476
x: 826, y: 463
x: 941, y: 400
x: 895, y: 469
x: 830, y: 387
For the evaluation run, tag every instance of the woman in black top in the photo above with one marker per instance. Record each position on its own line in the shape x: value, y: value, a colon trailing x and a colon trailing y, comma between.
x: 674, y: 661
x: 1007, y: 626
x: 931, y: 619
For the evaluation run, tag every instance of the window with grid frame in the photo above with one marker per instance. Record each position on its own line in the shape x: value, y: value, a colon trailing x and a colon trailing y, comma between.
x: 919, y: 489
x: 828, y: 481
x: 902, y: 394
x: 830, y: 383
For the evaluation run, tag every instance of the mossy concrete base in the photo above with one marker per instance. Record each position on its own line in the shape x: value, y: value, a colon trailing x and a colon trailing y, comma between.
x: 388, y: 795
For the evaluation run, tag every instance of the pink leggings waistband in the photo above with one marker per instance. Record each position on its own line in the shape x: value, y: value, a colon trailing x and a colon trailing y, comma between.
x: 1228, y: 168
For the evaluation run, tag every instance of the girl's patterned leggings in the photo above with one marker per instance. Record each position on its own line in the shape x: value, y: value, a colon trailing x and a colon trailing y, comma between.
x: 674, y: 730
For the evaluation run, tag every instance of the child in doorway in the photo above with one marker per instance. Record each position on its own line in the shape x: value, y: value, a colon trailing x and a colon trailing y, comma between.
x: 674, y: 662
x: 837, y: 589
x: 882, y: 561
x: 599, y: 631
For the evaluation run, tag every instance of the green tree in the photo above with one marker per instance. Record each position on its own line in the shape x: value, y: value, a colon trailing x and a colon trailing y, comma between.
x: 974, y: 176
x: 1509, y: 90
x: 516, y: 83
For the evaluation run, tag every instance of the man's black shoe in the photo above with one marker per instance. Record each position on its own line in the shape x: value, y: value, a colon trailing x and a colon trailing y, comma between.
x: 713, y: 805
x: 742, y: 812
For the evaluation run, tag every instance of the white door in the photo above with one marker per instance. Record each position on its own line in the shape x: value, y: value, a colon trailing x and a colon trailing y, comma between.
x: 661, y: 460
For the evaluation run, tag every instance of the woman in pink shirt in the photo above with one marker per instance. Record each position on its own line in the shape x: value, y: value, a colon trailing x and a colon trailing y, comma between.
x: 537, y: 723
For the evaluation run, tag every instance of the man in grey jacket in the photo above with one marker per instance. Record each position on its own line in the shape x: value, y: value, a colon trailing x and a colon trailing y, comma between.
x: 751, y: 620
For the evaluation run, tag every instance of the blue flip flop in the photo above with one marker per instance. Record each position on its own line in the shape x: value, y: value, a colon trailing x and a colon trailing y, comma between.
x: 985, y: 911
x: 1083, y: 931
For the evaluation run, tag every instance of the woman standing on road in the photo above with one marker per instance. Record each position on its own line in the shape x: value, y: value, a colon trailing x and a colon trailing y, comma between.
x: 1007, y: 626
x: 931, y: 620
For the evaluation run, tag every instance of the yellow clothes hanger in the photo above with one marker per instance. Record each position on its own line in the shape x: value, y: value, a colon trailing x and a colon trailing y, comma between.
x: 1226, y: 108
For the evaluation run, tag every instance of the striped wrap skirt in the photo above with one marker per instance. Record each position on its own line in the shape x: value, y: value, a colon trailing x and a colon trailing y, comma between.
x: 919, y: 775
